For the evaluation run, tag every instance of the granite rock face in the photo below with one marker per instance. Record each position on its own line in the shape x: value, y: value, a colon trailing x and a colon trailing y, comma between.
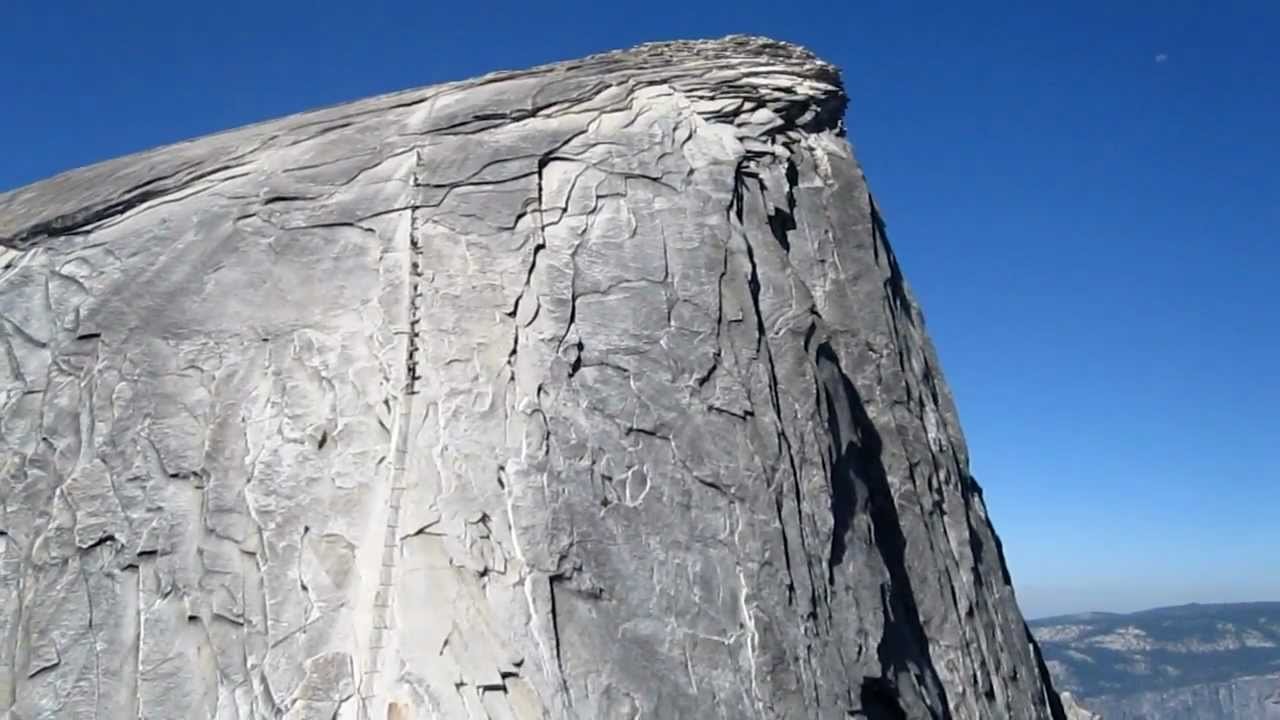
x: 588, y: 391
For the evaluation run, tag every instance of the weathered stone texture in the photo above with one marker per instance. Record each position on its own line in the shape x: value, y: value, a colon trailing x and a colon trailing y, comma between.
x: 589, y: 391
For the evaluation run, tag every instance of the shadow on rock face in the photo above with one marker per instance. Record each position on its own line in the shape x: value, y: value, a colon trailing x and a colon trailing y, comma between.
x: 860, y: 484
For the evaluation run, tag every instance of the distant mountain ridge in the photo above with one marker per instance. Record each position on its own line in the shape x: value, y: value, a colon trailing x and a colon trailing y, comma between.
x: 1200, y: 661
x: 1186, y: 610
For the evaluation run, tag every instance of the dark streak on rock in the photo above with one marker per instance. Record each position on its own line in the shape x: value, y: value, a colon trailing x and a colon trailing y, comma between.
x: 860, y: 484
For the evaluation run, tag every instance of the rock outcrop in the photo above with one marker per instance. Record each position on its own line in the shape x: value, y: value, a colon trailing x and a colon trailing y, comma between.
x: 588, y: 391
x: 1075, y: 711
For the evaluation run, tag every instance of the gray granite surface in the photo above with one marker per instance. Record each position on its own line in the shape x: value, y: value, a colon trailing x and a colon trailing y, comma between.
x: 588, y: 391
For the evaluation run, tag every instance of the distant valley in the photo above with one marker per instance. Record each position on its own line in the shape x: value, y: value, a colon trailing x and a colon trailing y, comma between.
x: 1191, y: 662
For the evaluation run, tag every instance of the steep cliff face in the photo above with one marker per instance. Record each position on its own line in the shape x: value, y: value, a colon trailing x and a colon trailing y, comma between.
x: 589, y: 391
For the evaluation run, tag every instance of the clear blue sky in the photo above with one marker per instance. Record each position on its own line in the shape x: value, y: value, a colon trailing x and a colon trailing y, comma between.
x: 1086, y: 199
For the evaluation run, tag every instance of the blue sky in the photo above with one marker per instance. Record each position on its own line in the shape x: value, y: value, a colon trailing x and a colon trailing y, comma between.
x: 1086, y: 199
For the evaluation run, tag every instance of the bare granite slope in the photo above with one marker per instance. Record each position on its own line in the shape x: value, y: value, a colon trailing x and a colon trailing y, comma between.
x: 590, y: 391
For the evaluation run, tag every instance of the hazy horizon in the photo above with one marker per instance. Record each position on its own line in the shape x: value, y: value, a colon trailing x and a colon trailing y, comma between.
x: 1079, y: 604
x: 1083, y: 198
